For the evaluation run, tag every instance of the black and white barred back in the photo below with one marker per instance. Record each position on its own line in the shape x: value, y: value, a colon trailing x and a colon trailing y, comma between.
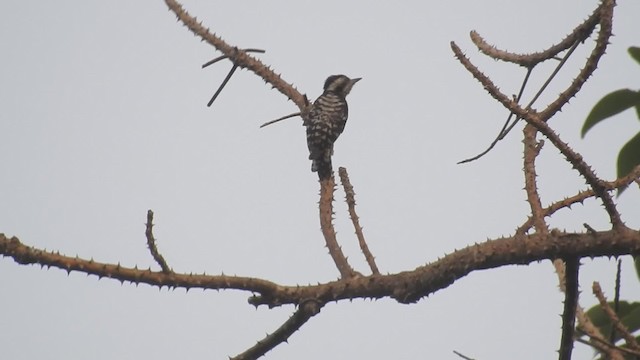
x: 326, y: 121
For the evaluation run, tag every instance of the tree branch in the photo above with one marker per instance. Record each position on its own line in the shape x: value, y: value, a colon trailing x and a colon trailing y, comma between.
x: 350, y: 197
x: 533, y: 118
x: 327, y: 188
x: 238, y: 57
x: 151, y: 243
x: 306, y: 311
x: 579, y: 34
x: 572, y: 266
x: 634, y: 175
x: 615, y: 320
x: 405, y: 287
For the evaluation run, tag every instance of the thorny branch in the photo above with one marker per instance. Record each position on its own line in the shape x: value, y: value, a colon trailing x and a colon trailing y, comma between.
x: 534, y: 118
x: 228, y: 77
x: 327, y: 188
x: 580, y: 197
x: 350, y: 196
x: 537, y: 121
x: 405, y: 287
x: 579, y: 34
x: 611, y: 314
x: 306, y: 311
x: 151, y: 243
x: 572, y: 266
x: 529, y: 61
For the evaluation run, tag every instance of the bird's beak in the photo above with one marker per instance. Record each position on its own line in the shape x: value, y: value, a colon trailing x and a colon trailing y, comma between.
x: 353, y: 81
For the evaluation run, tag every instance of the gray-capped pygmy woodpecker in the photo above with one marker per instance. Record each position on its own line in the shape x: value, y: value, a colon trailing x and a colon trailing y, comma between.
x: 326, y: 121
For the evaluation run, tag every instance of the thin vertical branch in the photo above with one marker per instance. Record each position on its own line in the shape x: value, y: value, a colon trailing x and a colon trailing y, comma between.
x: 531, y: 151
x: 350, y: 196
x: 572, y: 267
x: 151, y: 243
x: 327, y: 188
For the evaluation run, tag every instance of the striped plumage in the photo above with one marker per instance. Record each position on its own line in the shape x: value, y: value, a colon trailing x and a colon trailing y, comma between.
x: 326, y: 121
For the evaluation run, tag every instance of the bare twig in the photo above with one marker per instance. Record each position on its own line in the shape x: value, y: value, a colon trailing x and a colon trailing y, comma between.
x: 233, y: 69
x: 327, y: 188
x: 224, y: 83
x: 350, y: 196
x: 506, y: 128
x: 306, y: 311
x: 151, y: 243
x: 462, y: 356
x: 280, y: 119
x: 615, y: 320
x: 572, y: 266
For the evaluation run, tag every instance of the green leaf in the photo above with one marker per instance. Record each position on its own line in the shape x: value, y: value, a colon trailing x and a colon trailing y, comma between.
x: 611, y: 104
x: 601, y: 320
x: 628, y: 157
x: 631, y: 320
x: 635, y: 53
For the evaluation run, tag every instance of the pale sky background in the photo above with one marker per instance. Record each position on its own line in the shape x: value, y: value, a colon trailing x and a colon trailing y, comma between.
x: 103, y: 115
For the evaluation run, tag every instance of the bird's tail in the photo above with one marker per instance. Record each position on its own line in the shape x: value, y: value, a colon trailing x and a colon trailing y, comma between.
x: 323, y: 167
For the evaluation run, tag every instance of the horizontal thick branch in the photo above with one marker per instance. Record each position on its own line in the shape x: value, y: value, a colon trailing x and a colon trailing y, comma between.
x: 405, y: 287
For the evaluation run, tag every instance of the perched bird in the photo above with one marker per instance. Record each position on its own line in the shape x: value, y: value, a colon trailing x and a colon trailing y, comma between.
x: 325, y: 122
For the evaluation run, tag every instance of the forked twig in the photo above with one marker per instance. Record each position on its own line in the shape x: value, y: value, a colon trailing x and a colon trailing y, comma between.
x: 350, y: 196
x: 233, y: 69
x: 151, y: 243
x: 634, y: 175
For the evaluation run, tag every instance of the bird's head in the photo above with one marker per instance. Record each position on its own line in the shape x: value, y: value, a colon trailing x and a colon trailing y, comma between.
x: 339, y: 84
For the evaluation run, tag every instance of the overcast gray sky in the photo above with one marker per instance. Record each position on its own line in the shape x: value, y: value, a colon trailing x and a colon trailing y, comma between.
x: 103, y: 115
